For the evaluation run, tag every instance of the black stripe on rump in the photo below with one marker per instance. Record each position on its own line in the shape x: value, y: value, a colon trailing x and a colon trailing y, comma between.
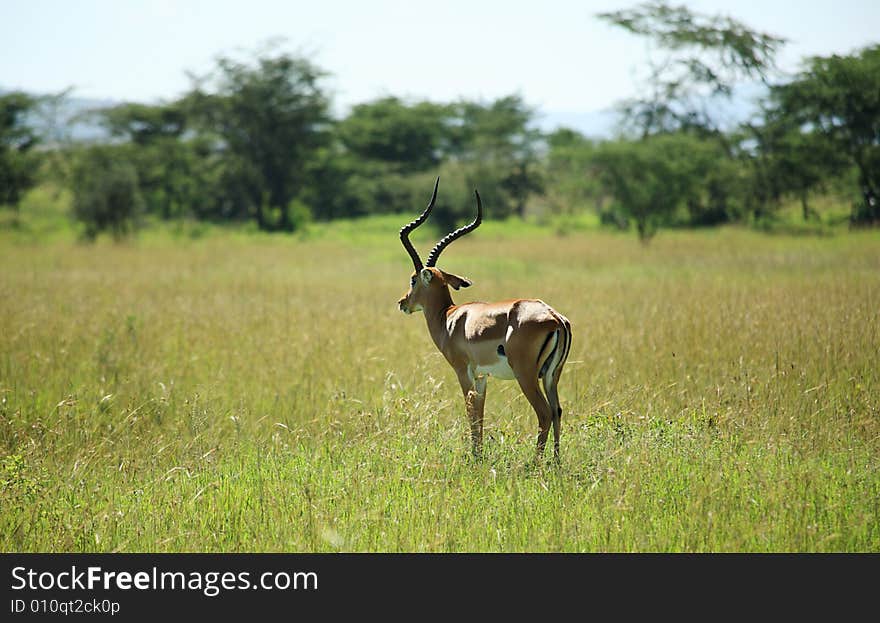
x: 549, y: 355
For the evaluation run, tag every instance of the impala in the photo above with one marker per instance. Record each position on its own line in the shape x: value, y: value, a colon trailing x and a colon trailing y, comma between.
x: 522, y: 339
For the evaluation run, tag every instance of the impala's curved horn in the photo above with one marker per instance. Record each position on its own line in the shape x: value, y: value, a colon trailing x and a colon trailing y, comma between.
x: 406, y: 229
x: 458, y: 233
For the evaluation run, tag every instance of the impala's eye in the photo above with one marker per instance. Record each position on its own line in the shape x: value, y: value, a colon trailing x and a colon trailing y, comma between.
x: 412, y: 281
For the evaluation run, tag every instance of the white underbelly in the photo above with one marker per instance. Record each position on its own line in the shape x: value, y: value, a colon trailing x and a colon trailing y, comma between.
x: 500, y: 369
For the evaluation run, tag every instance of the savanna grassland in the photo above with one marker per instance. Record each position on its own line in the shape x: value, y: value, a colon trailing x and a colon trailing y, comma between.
x: 247, y: 392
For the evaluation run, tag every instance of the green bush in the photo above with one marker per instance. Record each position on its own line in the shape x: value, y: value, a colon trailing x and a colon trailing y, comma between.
x: 105, y: 192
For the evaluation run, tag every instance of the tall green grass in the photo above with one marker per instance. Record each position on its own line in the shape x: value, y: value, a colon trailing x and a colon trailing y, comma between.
x: 257, y: 393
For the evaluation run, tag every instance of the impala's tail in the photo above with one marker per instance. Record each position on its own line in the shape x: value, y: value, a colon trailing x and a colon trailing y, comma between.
x: 552, y: 368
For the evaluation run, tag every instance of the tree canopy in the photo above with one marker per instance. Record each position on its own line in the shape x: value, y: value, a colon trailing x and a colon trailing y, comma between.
x: 255, y: 141
x: 704, y: 57
x: 268, y: 119
x: 837, y: 99
x: 17, y: 139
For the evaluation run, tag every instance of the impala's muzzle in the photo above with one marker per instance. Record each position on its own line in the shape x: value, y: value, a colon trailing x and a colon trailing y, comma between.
x: 403, y: 305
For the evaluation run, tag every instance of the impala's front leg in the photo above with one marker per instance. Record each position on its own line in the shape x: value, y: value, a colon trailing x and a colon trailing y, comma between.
x: 474, y: 390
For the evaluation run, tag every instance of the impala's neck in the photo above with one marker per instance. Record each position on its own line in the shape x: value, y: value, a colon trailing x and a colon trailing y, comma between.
x: 435, y: 309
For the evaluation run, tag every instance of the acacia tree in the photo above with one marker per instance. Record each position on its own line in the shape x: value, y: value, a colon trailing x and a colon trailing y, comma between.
x: 837, y: 99
x: 703, y: 57
x: 786, y: 160
x: 268, y: 120
x: 652, y: 178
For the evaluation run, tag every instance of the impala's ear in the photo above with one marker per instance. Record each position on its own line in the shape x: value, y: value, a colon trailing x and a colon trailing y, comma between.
x: 426, y: 275
x: 456, y: 282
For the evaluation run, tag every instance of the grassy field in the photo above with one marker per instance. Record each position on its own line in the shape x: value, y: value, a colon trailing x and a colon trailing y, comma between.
x: 241, y: 392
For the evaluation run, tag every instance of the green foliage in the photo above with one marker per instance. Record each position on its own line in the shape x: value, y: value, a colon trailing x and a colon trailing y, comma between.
x: 653, y: 178
x: 145, y: 125
x: 17, y: 161
x: 571, y: 181
x: 677, y: 28
x: 706, y: 57
x: 392, y: 192
x: 171, y: 174
x: 837, y: 99
x: 266, y: 119
x: 456, y: 204
x: 499, y: 143
x: 300, y: 215
x: 389, y: 153
x: 105, y: 191
x: 253, y: 141
x: 408, y: 136
x: 789, y: 161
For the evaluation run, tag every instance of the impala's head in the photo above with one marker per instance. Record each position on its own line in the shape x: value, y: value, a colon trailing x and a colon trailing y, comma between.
x: 427, y: 284
x: 427, y: 281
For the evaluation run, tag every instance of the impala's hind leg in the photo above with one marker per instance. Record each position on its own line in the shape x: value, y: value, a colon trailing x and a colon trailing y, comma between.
x: 551, y: 381
x: 532, y: 392
x: 555, y: 409
x: 526, y: 355
x: 552, y: 373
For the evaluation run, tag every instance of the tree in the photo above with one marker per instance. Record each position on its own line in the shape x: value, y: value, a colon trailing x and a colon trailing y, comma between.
x: 497, y: 142
x: 787, y: 160
x: 268, y: 120
x: 409, y: 137
x: 105, y: 191
x: 386, y: 153
x: 837, y: 98
x: 17, y: 139
x: 570, y: 176
x: 53, y: 119
x: 652, y: 178
x: 167, y: 165
x: 143, y: 124
x: 494, y: 148
x: 390, y: 152
x: 705, y: 57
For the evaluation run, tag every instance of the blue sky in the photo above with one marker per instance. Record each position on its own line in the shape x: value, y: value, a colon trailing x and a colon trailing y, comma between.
x: 555, y: 53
